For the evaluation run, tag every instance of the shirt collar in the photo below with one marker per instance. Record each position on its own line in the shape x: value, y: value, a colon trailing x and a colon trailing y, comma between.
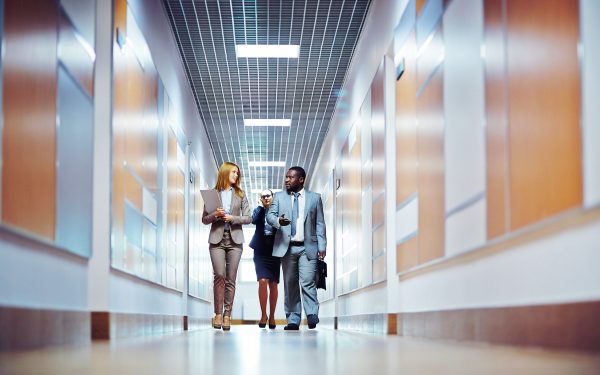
x: 300, y: 193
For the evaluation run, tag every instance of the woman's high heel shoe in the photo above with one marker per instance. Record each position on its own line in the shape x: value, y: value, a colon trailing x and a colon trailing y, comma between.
x: 261, y: 324
x: 272, y: 326
x: 218, y: 321
x: 226, y: 323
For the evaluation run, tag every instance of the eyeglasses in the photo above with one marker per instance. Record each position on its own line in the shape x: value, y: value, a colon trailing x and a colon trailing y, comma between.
x: 265, y: 196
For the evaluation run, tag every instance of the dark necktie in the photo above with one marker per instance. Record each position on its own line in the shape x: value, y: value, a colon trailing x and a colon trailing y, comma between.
x: 294, y: 213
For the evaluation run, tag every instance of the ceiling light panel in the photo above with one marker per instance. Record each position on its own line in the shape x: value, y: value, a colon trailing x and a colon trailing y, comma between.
x: 267, y: 50
x: 267, y: 122
x: 266, y: 163
x: 229, y: 89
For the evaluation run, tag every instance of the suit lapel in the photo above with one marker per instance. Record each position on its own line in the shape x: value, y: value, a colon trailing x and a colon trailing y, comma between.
x: 234, y: 202
x: 287, y: 208
x: 307, y: 203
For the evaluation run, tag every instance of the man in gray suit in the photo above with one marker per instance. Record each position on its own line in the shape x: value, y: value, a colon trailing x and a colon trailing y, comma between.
x: 300, y: 239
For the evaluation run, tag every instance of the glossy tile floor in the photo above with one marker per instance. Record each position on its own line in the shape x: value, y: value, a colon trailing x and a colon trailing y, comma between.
x: 249, y: 350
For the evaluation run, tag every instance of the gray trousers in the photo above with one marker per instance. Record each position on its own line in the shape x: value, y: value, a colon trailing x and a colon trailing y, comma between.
x: 299, y: 274
x: 225, y: 258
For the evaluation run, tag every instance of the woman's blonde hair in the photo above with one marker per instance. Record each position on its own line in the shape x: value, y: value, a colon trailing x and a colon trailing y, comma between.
x: 223, y: 178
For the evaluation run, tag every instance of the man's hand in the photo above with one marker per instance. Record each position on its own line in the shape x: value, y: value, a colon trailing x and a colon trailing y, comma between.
x: 284, y: 221
x: 322, y: 254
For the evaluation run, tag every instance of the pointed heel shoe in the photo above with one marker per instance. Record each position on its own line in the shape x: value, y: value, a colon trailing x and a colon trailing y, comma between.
x: 226, y: 323
x: 272, y: 326
x: 261, y: 324
x: 217, y: 321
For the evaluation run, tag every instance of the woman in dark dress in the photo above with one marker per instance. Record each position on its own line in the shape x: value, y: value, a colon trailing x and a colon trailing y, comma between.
x: 267, y: 266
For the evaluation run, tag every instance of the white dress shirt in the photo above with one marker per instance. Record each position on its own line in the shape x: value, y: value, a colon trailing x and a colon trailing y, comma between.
x: 226, y: 196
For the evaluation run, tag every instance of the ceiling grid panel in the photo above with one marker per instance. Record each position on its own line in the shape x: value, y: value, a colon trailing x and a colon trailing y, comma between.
x: 228, y: 89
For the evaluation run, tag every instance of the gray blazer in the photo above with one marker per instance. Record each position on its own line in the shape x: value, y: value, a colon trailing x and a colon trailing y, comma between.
x: 314, y: 223
x: 240, y: 210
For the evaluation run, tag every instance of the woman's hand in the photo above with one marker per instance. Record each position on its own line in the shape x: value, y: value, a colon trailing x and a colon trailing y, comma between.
x: 228, y: 218
x: 220, y: 213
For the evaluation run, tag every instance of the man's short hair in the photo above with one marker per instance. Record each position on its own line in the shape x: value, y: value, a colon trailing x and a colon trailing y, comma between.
x: 300, y: 171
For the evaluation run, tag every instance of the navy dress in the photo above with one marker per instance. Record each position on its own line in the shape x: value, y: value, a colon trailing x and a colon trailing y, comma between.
x: 267, y: 266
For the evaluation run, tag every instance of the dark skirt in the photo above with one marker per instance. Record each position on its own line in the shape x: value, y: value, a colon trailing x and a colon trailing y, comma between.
x: 267, y: 266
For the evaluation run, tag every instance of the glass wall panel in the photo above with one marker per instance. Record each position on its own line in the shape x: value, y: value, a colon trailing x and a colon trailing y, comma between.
x: 74, y: 166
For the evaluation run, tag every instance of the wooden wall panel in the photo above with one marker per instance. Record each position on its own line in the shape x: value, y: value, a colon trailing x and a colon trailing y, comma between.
x: 120, y: 16
x: 406, y: 125
x: 544, y: 109
x: 497, y: 117
x: 430, y: 109
x: 407, y: 255
x: 420, y: 4
x: 29, y: 102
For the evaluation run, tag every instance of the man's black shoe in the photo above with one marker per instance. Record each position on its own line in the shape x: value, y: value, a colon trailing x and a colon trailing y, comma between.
x: 312, y: 321
x: 291, y: 327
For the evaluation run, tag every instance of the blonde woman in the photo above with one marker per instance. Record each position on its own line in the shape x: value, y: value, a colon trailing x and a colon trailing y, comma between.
x: 226, y: 239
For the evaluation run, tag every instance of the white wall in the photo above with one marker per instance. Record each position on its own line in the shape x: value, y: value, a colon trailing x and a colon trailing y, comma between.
x: 559, y: 268
x: 36, y: 275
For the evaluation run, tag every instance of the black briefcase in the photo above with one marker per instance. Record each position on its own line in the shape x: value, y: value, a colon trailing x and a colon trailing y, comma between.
x: 321, y: 274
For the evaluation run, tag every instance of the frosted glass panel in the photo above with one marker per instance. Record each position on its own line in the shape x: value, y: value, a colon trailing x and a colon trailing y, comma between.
x: 464, y: 147
x: 133, y: 225
x: 590, y: 11
x: 74, y: 167
x: 82, y: 13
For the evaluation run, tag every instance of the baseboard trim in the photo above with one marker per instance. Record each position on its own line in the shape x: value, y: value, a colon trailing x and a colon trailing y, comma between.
x: 368, y: 323
x: 109, y: 325
x: 571, y: 326
x: 27, y: 328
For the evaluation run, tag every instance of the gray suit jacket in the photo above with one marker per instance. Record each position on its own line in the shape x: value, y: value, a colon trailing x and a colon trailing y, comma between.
x: 314, y: 223
x: 240, y: 210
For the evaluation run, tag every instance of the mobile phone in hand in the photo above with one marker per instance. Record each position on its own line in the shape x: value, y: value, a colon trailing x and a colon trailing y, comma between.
x: 284, y: 220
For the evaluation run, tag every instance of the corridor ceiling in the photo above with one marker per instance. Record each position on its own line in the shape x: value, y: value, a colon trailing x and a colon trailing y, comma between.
x: 228, y: 89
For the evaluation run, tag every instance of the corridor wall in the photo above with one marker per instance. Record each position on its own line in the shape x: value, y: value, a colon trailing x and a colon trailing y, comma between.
x: 489, y: 139
x: 46, y: 137
x: 58, y: 281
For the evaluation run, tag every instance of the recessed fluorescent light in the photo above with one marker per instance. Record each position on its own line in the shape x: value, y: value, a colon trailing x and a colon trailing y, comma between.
x: 258, y: 191
x: 266, y: 163
x: 267, y: 50
x: 267, y: 122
